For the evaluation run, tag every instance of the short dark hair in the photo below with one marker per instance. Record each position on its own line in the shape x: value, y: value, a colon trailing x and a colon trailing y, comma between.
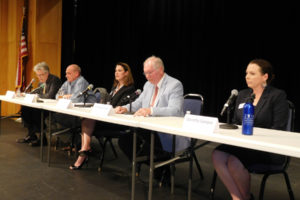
x: 265, y: 68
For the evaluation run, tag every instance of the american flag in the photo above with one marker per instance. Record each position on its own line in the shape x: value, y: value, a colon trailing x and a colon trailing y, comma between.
x: 23, y: 52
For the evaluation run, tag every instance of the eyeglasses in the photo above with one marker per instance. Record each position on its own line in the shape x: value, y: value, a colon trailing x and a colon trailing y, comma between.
x: 149, y: 73
x: 40, y: 75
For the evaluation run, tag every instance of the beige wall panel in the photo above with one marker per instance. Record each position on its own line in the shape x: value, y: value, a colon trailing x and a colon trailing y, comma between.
x: 3, y: 45
x: 49, y: 56
x: 13, y: 27
x: 48, y: 20
x: 48, y: 33
x: 4, y: 52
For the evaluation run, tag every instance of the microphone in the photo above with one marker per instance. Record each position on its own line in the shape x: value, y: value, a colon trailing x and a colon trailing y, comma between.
x: 230, y: 100
x: 40, y: 87
x: 89, y: 87
x: 29, y: 85
x: 132, y: 96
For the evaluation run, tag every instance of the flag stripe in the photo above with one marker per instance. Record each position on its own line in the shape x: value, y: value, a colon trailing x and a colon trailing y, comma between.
x: 23, y: 52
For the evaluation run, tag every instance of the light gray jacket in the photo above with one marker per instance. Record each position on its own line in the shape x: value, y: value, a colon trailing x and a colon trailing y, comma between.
x: 169, y: 103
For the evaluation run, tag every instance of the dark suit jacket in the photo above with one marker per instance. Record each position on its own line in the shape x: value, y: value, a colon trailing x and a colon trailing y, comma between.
x: 119, y: 99
x: 53, y: 84
x: 270, y: 112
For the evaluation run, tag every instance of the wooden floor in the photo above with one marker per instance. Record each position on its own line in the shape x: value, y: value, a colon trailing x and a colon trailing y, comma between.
x: 24, y: 176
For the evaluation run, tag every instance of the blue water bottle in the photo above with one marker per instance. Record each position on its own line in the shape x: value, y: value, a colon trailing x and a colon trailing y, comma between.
x: 248, y: 117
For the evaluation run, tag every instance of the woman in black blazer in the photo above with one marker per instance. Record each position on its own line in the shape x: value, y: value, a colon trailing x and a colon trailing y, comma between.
x: 271, y: 111
x: 123, y: 86
x: 117, y: 96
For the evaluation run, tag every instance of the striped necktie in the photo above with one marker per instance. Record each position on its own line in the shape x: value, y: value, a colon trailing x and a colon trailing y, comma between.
x: 154, y: 96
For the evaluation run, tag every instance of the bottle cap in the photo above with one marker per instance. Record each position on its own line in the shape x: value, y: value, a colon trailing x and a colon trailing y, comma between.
x: 251, y: 98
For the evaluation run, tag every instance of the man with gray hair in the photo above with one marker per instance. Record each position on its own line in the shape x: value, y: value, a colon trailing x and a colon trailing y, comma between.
x: 162, y: 96
x: 47, y: 88
x: 48, y: 83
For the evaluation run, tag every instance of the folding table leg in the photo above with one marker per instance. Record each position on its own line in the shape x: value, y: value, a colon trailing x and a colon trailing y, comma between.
x: 49, y: 142
x: 42, y: 134
x: 151, y: 166
x: 133, y: 165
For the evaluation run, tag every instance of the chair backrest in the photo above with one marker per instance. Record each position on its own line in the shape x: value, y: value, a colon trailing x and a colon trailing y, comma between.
x: 291, y: 119
x: 193, y: 103
x: 281, y: 162
x: 101, y: 95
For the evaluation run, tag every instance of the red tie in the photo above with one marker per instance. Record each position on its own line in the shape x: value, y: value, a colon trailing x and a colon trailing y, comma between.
x: 154, y: 96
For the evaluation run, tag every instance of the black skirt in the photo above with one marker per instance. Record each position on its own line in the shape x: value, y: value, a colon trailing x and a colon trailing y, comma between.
x: 253, y: 160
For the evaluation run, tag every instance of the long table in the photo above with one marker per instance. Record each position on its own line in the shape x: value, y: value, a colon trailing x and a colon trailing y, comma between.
x: 274, y: 141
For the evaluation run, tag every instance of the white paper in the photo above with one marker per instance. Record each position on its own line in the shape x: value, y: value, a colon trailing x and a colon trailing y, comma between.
x: 10, y: 94
x: 201, y: 124
x: 64, y: 103
x: 30, y: 98
x: 102, y: 109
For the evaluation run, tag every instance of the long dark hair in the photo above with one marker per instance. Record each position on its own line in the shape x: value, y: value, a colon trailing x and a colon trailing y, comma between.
x: 129, y: 79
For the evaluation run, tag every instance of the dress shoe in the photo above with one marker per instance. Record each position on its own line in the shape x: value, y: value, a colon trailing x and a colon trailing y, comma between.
x: 26, y: 139
x: 162, y: 176
x: 37, y: 142
x: 84, y: 154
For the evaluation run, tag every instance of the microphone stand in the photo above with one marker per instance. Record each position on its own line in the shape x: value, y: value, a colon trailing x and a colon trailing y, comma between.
x: 85, y: 96
x: 228, y: 125
x: 130, y: 101
x: 28, y: 89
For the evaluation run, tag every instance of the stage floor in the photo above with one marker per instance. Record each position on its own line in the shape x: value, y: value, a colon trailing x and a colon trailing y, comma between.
x: 24, y: 176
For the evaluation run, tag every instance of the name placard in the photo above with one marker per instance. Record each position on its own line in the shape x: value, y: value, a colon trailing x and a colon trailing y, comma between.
x: 64, y: 103
x: 102, y: 109
x: 10, y: 94
x: 202, y: 124
x: 30, y: 98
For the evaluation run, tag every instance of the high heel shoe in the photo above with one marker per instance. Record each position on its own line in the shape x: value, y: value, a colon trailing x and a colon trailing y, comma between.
x: 84, y: 154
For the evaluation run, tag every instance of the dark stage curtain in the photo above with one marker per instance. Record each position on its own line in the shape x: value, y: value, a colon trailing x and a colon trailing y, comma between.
x: 205, y: 44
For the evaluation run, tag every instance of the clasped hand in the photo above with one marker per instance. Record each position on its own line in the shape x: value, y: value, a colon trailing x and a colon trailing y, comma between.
x: 141, y: 112
x: 145, y: 112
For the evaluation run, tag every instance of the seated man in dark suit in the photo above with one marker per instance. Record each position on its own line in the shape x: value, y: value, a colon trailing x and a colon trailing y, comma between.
x: 48, y: 87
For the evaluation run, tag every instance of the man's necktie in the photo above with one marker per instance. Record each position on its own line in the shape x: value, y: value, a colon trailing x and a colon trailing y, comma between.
x: 44, y: 89
x: 154, y: 96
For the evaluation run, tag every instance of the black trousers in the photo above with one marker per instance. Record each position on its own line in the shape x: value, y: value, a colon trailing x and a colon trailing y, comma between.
x: 142, y: 145
x: 67, y: 121
x: 32, y: 119
x: 143, y: 149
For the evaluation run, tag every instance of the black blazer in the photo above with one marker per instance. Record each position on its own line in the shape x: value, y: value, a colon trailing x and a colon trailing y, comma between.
x: 271, y: 110
x: 53, y: 84
x: 119, y: 99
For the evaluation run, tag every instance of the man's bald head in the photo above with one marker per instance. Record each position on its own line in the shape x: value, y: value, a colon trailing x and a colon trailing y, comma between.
x: 73, y: 71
